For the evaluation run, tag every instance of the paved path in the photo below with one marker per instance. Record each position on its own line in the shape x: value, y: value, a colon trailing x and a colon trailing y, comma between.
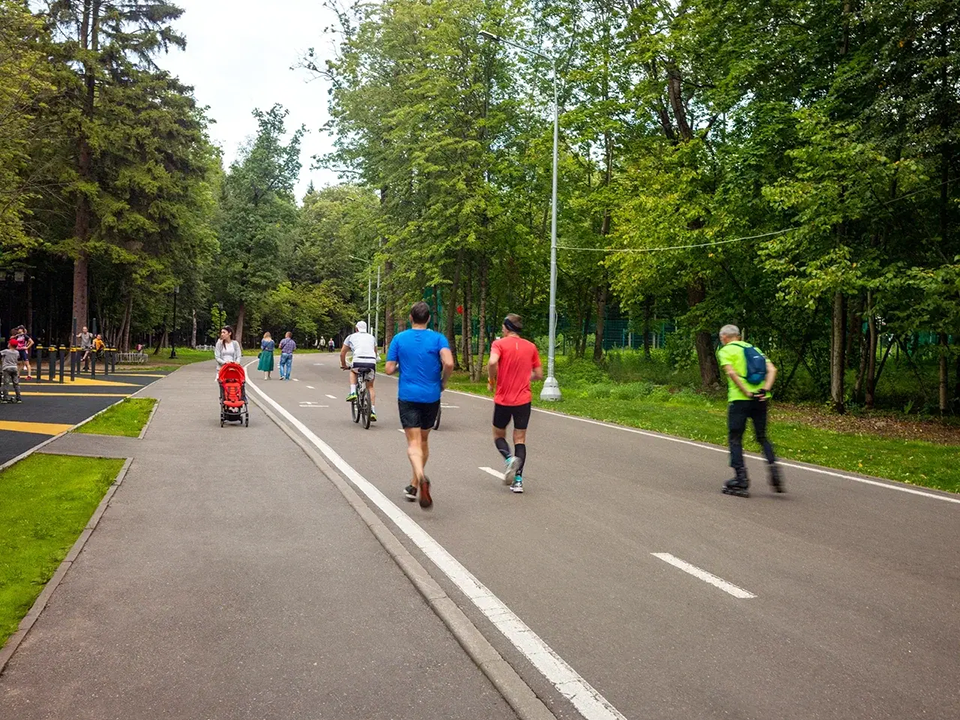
x: 840, y: 599
x: 229, y: 579
x: 50, y: 408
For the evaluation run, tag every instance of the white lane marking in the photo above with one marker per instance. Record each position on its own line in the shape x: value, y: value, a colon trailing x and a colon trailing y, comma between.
x: 399, y: 429
x: 332, y: 397
x: 295, y: 380
x: 820, y: 471
x: 312, y: 405
x: 498, y: 475
x: 705, y: 576
x: 455, y: 407
x: 310, y: 387
x: 587, y: 700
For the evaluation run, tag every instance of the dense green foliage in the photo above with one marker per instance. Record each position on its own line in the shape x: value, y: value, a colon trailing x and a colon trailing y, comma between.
x: 799, y: 159
x: 113, y: 199
x: 787, y: 166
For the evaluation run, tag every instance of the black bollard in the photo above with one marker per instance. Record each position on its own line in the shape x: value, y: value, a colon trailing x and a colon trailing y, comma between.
x: 61, y: 356
x: 53, y: 361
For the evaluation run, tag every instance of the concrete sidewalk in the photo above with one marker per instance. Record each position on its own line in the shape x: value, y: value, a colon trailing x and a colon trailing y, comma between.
x: 230, y: 579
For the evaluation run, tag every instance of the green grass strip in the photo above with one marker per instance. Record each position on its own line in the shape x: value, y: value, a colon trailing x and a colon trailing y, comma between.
x: 45, y: 503
x: 687, y: 414
x: 126, y: 418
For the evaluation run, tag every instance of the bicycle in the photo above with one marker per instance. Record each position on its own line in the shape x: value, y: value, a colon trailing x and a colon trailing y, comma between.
x: 360, y: 409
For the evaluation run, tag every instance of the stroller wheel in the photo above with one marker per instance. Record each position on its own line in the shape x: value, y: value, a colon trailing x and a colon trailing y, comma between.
x: 221, y: 422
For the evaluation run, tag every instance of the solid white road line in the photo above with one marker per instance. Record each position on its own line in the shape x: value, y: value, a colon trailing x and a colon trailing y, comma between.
x: 590, y: 703
x: 658, y: 436
x: 497, y: 475
x: 705, y: 576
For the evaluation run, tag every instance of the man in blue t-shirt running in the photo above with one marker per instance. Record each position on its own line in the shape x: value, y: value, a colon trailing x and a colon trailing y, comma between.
x: 425, y: 362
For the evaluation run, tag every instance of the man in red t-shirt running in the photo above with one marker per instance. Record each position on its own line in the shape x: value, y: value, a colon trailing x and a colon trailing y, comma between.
x: 514, y: 362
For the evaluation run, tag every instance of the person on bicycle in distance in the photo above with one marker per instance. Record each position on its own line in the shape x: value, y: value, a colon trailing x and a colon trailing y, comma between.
x: 364, y: 347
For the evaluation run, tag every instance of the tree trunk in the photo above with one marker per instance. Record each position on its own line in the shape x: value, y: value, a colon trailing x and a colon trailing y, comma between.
x: 703, y: 340
x: 388, y: 314
x: 582, y: 345
x: 944, y: 375
x: 601, y: 313
x: 837, y: 358
x: 452, y: 312
x: 89, y: 41
x: 871, y: 354
x: 466, y: 329
x: 124, y: 341
x: 478, y: 366
x: 193, y: 333
x: 238, y: 330
x: 647, y: 307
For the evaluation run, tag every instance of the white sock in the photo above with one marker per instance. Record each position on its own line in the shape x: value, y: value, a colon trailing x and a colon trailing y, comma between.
x: 373, y: 409
x: 353, y: 389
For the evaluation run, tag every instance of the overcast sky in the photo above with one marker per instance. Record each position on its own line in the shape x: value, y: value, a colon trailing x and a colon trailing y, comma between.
x: 238, y: 58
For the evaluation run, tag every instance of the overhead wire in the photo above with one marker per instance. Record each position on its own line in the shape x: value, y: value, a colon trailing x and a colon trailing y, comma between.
x: 675, y: 247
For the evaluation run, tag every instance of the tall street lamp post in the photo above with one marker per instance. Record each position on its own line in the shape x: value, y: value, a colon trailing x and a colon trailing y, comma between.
x: 551, y: 388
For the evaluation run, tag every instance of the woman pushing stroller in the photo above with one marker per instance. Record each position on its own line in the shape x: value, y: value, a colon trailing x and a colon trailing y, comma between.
x: 232, y: 379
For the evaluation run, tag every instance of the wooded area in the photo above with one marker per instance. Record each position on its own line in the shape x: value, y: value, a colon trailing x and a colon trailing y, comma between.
x: 788, y: 165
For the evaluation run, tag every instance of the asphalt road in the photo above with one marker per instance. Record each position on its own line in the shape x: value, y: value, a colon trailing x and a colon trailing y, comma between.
x: 842, y: 597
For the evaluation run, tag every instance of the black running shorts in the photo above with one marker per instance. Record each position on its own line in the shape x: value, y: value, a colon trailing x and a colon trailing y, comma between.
x: 503, y: 413
x: 418, y: 415
x: 358, y: 366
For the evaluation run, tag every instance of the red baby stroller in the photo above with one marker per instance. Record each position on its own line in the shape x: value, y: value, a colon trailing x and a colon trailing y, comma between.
x: 233, y: 394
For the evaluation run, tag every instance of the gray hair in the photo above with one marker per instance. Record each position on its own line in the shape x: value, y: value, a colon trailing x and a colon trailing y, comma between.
x: 730, y: 331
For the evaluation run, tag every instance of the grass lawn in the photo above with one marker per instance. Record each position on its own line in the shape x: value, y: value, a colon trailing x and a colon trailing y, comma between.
x: 126, y: 418
x: 45, y: 502
x: 691, y: 415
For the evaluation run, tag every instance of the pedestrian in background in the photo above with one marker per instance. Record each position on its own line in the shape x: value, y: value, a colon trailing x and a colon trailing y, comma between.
x: 750, y: 376
x: 287, y: 348
x: 24, y: 345
x: 86, y: 345
x: 267, y: 346
x: 331, y: 345
x: 9, y: 358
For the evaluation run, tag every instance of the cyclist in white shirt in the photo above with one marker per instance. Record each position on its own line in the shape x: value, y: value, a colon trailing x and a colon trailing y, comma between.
x: 364, y: 347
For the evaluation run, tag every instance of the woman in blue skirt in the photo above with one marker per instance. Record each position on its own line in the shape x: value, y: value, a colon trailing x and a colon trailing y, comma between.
x: 266, y: 356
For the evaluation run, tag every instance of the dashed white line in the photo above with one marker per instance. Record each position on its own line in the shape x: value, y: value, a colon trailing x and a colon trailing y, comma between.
x: 737, y: 592
x: 497, y: 475
x: 310, y: 387
x: 332, y: 397
x: 584, y: 697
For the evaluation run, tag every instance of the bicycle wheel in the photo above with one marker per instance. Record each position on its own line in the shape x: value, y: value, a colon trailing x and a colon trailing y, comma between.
x: 365, y: 411
x: 355, y: 409
x: 436, y: 423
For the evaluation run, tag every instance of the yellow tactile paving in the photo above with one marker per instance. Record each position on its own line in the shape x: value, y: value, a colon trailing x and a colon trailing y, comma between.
x: 54, y: 393
x: 36, y: 428
x: 135, y: 374
x: 98, y: 383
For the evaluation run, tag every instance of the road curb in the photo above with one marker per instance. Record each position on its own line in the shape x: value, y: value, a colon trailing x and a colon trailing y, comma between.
x: 501, y: 674
x: 14, y: 641
x: 153, y: 412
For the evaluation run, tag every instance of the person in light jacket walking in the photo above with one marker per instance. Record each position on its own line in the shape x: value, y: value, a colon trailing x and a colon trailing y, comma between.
x: 227, y: 350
